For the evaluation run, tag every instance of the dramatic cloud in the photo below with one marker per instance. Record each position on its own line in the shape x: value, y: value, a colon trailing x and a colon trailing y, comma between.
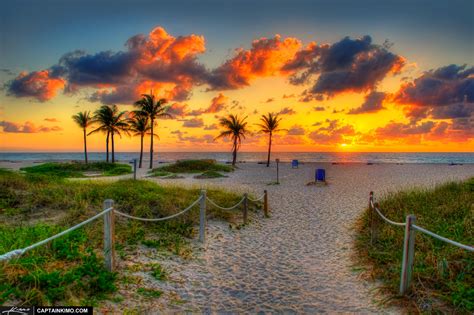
x: 37, y: 84
x: 217, y: 104
x: 287, y: 111
x: 349, y: 65
x: 319, y: 108
x: 193, y: 123
x: 27, y: 127
x: 159, y: 62
x: 51, y: 120
x: 460, y: 130
x: 178, y: 110
x: 266, y: 58
x: 444, y: 93
x: 373, y: 103
x: 296, y: 130
x: 332, y: 133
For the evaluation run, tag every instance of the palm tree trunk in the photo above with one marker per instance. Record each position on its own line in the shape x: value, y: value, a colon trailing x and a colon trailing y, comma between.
x: 141, y: 151
x: 234, y: 153
x: 107, y: 147
x: 113, y: 148
x: 85, y: 145
x: 269, y: 149
x: 151, y: 145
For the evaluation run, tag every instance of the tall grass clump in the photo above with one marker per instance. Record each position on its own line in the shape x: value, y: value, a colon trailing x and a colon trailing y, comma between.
x: 195, y: 166
x: 70, y: 269
x: 443, y: 274
x: 77, y: 169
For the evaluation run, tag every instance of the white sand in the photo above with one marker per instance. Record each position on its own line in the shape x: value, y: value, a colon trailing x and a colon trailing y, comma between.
x: 297, y: 261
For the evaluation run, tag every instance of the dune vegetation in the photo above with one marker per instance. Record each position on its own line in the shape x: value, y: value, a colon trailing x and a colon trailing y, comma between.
x: 69, y: 270
x: 77, y: 169
x: 192, y: 166
x: 443, y: 275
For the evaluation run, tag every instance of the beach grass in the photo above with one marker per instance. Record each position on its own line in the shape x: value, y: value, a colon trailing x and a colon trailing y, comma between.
x: 78, y: 169
x: 195, y: 166
x: 69, y: 270
x: 209, y: 174
x: 443, y: 275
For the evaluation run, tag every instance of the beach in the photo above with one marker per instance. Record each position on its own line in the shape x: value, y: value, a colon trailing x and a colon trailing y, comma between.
x: 297, y: 261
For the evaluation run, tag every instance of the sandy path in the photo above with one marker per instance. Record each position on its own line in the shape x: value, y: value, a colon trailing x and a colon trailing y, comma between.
x: 299, y: 259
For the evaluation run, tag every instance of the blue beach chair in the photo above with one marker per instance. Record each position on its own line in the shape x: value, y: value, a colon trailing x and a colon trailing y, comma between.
x: 320, y: 175
x: 294, y: 164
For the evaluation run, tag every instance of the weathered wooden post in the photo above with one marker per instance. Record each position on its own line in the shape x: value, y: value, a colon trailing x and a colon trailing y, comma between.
x: 202, y: 217
x: 109, y: 241
x: 265, y: 203
x: 246, y: 207
x: 371, y: 214
x: 408, y: 254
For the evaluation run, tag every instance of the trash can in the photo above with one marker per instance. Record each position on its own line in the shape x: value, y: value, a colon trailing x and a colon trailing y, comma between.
x: 294, y: 164
x: 320, y: 175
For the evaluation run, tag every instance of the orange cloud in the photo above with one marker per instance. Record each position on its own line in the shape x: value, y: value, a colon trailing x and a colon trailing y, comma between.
x: 266, y: 58
x: 27, y: 127
x: 217, y: 103
x: 38, y: 84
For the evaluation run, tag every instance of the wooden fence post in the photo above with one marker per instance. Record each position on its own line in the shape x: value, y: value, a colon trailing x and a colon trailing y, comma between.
x: 265, y: 203
x: 371, y: 214
x: 408, y: 254
x: 109, y: 230
x: 202, y: 217
x: 246, y: 207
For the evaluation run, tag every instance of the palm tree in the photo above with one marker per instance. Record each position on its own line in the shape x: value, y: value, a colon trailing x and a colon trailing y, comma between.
x: 118, y: 124
x: 83, y: 120
x: 270, y: 124
x: 235, y: 128
x: 111, y: 121
x: 103, y: 117
x: 154, y: 110
x: 139, y: 126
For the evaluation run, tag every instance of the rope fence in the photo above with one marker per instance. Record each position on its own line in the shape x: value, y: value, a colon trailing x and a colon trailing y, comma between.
x: 409, y: 241
x: 109, y: 211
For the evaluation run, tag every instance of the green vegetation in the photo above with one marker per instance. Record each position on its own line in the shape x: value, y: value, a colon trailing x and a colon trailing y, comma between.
x: 75, y: 169
x: 150, y: 293
x: 210, y: 174
x: 158, y: 272
x: 70, y: 269
x: 194, y: 166
x: 443, y: 275
x: 159, y: 173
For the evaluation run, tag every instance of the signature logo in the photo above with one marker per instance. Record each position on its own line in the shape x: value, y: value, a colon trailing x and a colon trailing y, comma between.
x: 16, y: 311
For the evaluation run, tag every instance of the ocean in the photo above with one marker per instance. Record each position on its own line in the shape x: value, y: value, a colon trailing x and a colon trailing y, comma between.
x: 334, y: 157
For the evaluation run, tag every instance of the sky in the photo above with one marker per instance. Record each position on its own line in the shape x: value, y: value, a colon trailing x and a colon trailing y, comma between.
x: 366, y: 76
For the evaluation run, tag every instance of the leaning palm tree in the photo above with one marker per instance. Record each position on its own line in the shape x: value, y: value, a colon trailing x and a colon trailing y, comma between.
x: 235, y: 128
x: 154, y: 110
x: 118, y: 125
x: 83, y: 120
x: 103, y: 117
x: 270, y: 124
x: 140, y: 126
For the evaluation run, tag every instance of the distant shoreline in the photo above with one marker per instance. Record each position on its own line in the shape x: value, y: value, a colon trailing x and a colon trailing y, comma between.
x: 255, y: 157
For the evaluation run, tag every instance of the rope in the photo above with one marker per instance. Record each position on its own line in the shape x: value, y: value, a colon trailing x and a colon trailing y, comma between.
x: 222, y: 208
x: 447, y: 240
x: 419, y: 228
x: 385, y: 218
x: 21, y: 251
x: 159, y: 219
x: 258, y: 199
